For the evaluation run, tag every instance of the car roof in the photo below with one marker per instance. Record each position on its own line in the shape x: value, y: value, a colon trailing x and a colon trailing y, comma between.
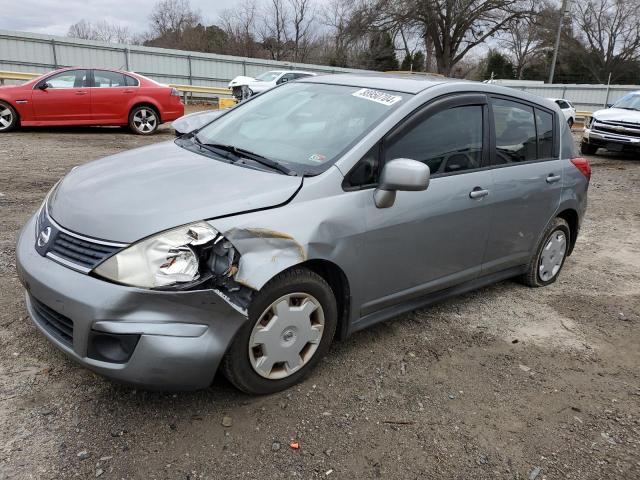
x: 381, y: 81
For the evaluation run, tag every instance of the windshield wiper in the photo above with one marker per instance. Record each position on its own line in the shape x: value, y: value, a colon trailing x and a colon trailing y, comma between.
x: 262, y: 160
x: 219, y: 149
x: 628, y: 108
x: 237, y: 153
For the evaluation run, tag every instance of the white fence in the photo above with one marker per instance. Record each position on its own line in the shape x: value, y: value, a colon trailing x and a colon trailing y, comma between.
x: 29, y: 52
x: 584, y: 97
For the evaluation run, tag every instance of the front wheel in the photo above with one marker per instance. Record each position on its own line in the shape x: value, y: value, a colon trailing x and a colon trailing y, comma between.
x: 8, y: 117
x: 143, y: 120
x: 570, y: 122
x: 292, y: 320
x: 545, y: 265
x: 588, y: 149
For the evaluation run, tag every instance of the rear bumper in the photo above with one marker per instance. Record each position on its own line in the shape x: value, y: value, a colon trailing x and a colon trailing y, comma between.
x: 182, y: 335
x: 172, y: 113
x: 601, y: 139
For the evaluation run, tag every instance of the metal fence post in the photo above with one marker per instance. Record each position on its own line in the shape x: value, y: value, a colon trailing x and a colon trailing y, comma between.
x: 190, y: 72
x: 606, y: 101
x: 55, y: 56
x: 244, y: 68
x: 126, y: 59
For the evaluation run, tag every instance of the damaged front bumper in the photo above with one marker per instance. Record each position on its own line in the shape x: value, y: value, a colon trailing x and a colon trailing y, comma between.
x: 168, y: 340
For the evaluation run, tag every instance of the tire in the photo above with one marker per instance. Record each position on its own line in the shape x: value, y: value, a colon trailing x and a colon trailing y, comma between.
x: 570, y: 122
x: 247, y: 354
x: 144, y: 120
x: 8, y: 117
x: 588, y: 149
x: 535, y: 274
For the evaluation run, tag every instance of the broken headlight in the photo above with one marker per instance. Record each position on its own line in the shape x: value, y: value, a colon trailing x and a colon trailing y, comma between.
x: 175, y: 258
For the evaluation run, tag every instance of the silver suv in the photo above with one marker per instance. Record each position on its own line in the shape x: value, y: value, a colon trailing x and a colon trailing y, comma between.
x: 307, y: 213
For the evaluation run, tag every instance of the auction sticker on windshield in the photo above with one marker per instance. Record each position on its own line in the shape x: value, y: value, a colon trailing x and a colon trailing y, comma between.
x: 377, y: 96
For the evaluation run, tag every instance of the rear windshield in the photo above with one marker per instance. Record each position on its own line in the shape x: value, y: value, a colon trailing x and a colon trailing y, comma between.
x: 305, y: 126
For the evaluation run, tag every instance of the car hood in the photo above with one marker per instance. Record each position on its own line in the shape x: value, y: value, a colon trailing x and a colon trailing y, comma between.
x: 617, y: 114
x: 241, y: 80
x: 131, y: 195
x: 193, y: 121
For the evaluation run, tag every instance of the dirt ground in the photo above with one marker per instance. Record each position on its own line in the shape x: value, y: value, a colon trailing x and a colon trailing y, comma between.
x: 505, y: 382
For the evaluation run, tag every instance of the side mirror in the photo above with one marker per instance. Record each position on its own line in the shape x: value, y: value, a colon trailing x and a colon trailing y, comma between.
x: 283, y: 80
x: 44, y: 86
x: 609, y: 105
x: 401, y: 174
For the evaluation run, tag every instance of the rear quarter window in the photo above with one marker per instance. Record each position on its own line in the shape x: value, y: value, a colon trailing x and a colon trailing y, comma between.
x: 130, y: 81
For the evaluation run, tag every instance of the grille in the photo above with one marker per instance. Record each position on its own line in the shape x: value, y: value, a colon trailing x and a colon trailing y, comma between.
x: 631, y: 130
x: 79, y: 251
x: 56, y: 324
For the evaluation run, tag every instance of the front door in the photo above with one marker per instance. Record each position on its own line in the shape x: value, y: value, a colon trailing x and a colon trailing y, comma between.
x: 64, y: 98
x: 433, y: 239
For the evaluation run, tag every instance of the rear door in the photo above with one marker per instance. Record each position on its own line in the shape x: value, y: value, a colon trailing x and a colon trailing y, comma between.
x: 66, y: 98
x: 527, y: 180
x: 110, y: 96
x: 429, y: 240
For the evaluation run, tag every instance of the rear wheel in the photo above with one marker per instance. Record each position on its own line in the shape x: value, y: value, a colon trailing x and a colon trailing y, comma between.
x: 8, y: 117
x: 545, y: 265
x: 588, y: 149
x: 292, y: 320
x: 144, y: 120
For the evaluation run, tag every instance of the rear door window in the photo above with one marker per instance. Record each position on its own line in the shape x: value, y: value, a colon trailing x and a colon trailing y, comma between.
x: 515, y: 129
x: 106, y: 79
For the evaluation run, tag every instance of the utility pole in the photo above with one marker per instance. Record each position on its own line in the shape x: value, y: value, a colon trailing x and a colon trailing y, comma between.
x: 563, y: 10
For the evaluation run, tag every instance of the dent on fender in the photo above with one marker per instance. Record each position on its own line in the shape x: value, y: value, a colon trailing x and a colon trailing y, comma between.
x: 264, y: 253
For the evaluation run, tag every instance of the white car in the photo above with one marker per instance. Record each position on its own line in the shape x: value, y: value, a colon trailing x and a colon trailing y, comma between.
x: 243, y: 87
x: 567, y: 108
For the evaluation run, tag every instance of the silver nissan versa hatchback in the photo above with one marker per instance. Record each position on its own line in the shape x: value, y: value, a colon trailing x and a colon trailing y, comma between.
x: 301, y: 216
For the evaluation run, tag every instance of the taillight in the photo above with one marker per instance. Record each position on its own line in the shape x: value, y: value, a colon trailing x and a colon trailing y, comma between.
x: 174, y: 92
x: 583, y: 165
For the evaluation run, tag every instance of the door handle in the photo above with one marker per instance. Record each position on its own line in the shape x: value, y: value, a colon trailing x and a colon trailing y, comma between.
x: 81, y: 93
x: 127, y: 91
x: 478, y: 192
x: 553, y: 178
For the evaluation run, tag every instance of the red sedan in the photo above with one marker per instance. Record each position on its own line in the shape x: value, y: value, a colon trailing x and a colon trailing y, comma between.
x: 83, y: 96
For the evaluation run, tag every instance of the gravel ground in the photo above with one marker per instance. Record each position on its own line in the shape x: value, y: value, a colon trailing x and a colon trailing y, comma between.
x: 505, y: 382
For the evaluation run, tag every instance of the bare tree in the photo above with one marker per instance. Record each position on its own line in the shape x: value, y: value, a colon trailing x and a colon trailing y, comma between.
x: 451, y: 28
x: 171, y: 18
x: 102, y: 31
x: 611, y: 32
x: 239, y: 23
x: 523, y: 39
x: 302, y: 19
x: 337, y: 17
x: 273, y: 30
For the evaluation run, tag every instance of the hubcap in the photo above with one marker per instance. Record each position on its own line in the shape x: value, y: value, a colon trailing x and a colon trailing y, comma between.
x: 6, y: 117
x: 145, y: 120
x: 552, y: 256
x: 286, y: 336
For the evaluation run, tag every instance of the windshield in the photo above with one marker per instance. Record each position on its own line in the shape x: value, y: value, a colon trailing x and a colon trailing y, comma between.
x: 305, y: 126
x: 630, y: 101
x: 268, y: 76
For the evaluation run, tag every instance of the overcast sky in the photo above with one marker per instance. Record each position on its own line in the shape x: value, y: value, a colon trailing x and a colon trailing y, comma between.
x: 54, y: 17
